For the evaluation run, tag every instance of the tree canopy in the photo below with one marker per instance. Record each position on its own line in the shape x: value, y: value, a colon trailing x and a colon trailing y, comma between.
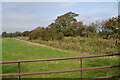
x: 67, y: 25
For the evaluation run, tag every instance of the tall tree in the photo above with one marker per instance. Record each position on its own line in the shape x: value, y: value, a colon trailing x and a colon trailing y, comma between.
x: 76, y: 28
x: 112, y: 27
x: 64, y: 20
x: 111, y: 24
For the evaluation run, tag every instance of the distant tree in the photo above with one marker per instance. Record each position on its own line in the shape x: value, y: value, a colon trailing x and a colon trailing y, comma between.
x: 118, y: 28
x: 46, y: 34
x: 52, y: 34
x: 59, y: 36
x: 17, y: 34
x: 111, y: 26
x: 67, y: 25
x: 55, y: 26
x: 25, y: 33
x: 4, y: 34
x: 62, y: 24
x: 64, y: 20
x: 49, y: 34
x: 37, y: 33
x: 91, y: 28
x: 75, y: 29
x: 10, y: 35
x: 68, y: 32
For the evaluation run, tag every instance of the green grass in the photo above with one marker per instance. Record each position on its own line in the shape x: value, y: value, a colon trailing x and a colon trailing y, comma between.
x: 17, y: 50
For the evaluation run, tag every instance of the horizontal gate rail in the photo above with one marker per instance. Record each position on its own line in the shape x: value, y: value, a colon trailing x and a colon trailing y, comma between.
x: 106, y: 77
x: 62, y: 71
x: 52, y: 59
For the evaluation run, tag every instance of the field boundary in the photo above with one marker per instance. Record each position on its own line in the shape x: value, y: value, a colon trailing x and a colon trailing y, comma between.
x: 38, y: 44
x: 63, y: 71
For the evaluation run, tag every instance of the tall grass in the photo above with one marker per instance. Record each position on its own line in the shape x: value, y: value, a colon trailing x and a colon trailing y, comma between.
x: 83, y: 45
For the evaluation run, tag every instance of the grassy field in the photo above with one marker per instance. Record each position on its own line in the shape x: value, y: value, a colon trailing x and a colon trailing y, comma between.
x: 17, y: 50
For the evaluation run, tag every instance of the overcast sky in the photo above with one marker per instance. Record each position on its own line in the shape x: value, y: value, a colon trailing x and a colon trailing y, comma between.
x: 21, y: 16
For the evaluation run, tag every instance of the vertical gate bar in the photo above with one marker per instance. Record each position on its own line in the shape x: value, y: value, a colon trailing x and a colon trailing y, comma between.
x: 19, y: 69
x: 81, y: 66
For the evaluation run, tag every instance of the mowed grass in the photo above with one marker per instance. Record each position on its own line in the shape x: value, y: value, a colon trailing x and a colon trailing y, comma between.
x: 18, y: 50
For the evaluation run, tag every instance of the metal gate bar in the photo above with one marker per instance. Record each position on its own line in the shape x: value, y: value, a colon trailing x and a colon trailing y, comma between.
x: 62, y: 71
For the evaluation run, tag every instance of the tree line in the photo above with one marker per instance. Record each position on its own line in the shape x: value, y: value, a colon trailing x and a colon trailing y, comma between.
x: 66, y: 25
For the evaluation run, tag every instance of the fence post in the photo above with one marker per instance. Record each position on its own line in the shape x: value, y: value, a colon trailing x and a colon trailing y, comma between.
x: 19, y: 70
x: 81, y: 66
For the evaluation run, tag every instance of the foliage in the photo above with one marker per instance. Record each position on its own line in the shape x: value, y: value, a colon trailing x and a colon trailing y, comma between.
x: 25, y: 33
x: 111, y: 28
x: 64, y: 20
x: 66, y: 25
x: 37, y: 33
x: 4, y: 34
x: 76, y: 29
x: 46, y: 34
x: 16, y: 34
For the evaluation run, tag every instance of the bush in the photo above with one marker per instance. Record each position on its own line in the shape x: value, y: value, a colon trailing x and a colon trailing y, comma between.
x: 37, y: 33
x: 46, y: 34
